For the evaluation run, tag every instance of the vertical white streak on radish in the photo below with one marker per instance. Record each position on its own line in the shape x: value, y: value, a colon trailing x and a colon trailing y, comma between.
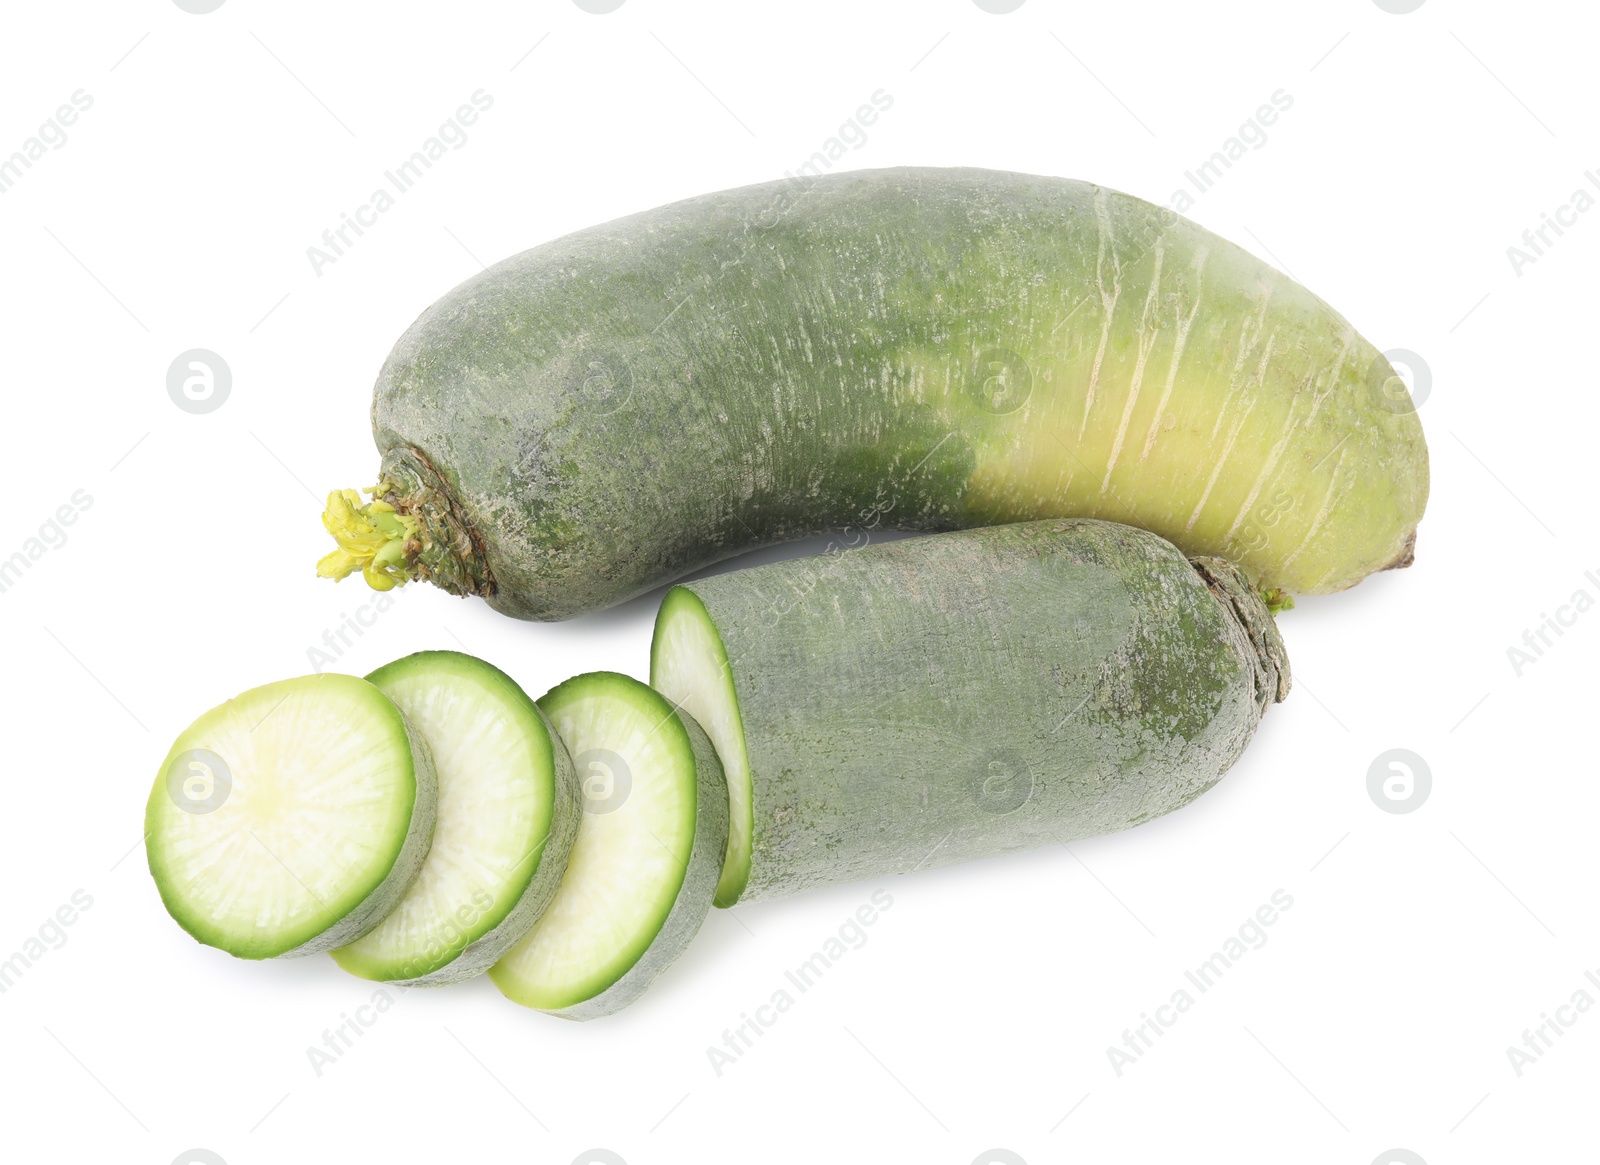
x: 1108, y: 299
x: 1149, y: 333
x: 1249, y: 334
x: 1323, y: 387
x: 1243, y: 350
x: 1322, y: 515
x: 1178, y: 343
x: 1335, y: 567
x: 1291, y: 426
x: 1222, y: 460
x: 1334, y: 376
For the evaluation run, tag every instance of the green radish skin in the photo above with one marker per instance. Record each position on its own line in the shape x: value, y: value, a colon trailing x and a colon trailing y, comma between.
x: 325, y: 803
x: 923, y: 349
x: 508, y: 813
x: 643, y: 873
x: 931, y: 700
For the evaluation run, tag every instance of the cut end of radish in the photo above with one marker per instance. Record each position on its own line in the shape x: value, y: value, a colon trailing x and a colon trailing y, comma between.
x: 689, y: 666
x: 647, y: 857
x: 292, y: 818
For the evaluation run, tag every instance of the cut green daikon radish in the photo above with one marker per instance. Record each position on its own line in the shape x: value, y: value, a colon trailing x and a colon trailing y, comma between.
x: 292, y: 818
x: 695, y: 672
x: 508, y: 813
x: 972, y: 693
x: 647, y: 858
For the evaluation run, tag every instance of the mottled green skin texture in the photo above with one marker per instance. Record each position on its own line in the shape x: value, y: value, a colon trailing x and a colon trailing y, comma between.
x: 931, y: 700
x: 922, y: 349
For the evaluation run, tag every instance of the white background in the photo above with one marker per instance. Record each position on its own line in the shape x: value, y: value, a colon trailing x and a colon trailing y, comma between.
x: 978, y: 1013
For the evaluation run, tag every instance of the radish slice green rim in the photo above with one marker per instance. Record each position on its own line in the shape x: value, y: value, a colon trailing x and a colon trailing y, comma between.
x: 689, y: 664
x: 647, y: 858
x: 507, y: 814
x: 291, y: 819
